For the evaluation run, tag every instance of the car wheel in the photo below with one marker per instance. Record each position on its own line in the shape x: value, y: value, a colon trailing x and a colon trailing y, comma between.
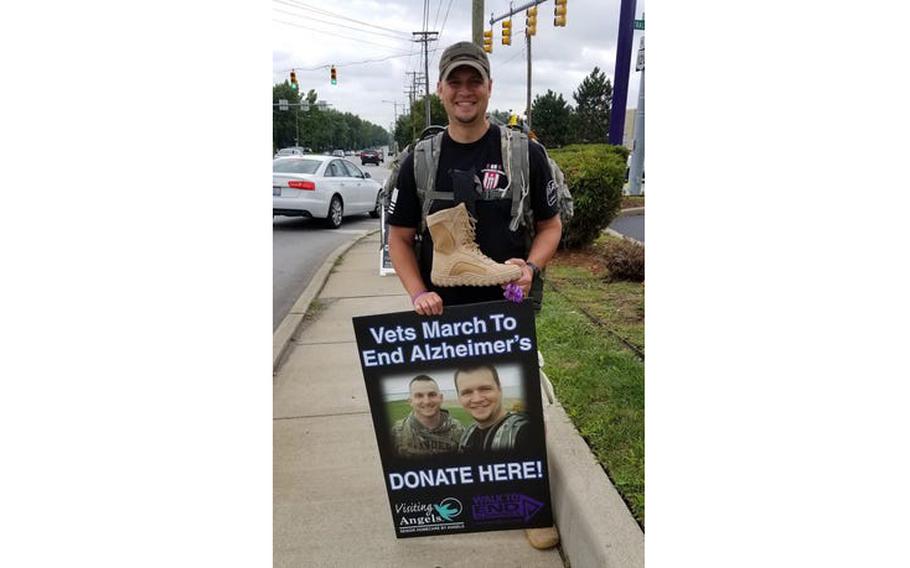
x: 336, y: 212
x: 376, y: 210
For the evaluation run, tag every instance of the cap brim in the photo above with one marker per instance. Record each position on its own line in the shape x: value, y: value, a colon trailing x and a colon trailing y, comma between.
x: 456, y: 64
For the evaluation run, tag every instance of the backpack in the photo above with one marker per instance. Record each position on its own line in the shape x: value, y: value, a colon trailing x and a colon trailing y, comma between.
x: 514, y: 148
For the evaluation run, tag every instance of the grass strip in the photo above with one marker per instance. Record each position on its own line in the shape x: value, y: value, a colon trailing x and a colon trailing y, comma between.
x: 600, y: 383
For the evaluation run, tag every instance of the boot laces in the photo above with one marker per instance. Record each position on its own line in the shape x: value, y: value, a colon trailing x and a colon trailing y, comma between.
x: 471, y: 230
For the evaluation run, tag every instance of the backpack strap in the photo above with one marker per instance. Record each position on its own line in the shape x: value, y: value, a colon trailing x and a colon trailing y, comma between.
x: 515, y: 145
x: 426, y: 159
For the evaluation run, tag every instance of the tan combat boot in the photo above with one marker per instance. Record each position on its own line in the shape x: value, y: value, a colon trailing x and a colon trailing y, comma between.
x: 457, y: 261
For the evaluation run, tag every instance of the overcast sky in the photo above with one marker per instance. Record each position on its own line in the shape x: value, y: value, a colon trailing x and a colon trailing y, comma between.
x: 305, y: 36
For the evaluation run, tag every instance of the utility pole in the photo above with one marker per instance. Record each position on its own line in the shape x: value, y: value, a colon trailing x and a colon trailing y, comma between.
x: 477, y: 22
x: 637, y: 165
x: 425, y: 40
x: 512, y: 11
x: 621, y: 73
x: 528, y: 111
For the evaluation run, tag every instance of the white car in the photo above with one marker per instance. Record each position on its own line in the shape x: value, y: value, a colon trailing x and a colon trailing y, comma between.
x: 322, y: 187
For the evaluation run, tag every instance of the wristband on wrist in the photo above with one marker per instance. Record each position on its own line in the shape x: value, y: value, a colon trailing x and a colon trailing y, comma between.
x: 417, y: 296
x: 535, y: 270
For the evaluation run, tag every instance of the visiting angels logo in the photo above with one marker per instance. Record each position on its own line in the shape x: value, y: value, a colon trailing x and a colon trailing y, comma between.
x: 422, y: 517
x: 449, y: 508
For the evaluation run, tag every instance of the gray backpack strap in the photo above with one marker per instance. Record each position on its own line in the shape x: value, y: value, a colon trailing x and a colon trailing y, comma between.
x: 426, y: 159
x: 519, y: 175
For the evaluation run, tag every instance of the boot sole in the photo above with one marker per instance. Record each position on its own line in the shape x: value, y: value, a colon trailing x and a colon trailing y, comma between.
x: 474, y: 279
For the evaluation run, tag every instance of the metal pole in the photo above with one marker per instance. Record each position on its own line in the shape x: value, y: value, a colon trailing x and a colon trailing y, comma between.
x: 528, y: 108
x: 621, y: 72
x: 477, y: 22
x: 638, y: 146
x: 426, y: 78
x: 297, y: 123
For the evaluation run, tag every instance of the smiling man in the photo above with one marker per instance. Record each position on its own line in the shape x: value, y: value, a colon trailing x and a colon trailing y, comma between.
x: 428, y: 429
x: 465, y: 164
x: 495, y: 429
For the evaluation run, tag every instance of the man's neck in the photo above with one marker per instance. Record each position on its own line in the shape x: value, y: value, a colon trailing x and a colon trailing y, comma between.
x: 467, y: 133
x: 493, y: 420
x: 430, y: 422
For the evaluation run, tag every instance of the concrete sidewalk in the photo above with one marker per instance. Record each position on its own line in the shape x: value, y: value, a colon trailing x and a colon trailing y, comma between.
x: 330, y: 503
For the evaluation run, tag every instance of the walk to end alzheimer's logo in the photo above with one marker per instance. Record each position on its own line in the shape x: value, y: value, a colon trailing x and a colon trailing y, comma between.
x: 414, y: 517
x: 508, y: 506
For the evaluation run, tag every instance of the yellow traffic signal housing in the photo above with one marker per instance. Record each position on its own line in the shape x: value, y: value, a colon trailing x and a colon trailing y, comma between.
x: 334, y: 76
x: 488, y: 41
x: 559, y: 13
x: 531, y: 21
x: 507, y: 32
x: 293, y: 80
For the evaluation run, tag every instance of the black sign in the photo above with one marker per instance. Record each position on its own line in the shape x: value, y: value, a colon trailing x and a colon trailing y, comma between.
x: 458, y: 418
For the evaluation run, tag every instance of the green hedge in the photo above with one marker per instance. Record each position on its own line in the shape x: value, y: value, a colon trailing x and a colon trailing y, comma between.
x: 595, y: 174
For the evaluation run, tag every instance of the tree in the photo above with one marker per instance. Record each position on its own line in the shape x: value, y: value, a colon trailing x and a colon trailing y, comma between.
x: 552, y: 116
x: 283, y: 128
x: 592, y: 110
x: 319, y: 129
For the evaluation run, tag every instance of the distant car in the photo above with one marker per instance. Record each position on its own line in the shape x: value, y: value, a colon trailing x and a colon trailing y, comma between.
x: 292, y: 151
x: 338, y: 153
x: 349, y: 152
x: 322, y: 187
x: 370, y: 157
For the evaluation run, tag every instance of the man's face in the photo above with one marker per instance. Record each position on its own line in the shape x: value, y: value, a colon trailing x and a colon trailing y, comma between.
x: 425, y: 398
x: 465, y: 95
x: 480, y: 396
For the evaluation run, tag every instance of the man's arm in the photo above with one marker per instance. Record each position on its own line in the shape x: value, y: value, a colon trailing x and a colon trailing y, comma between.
x: 401, y: 251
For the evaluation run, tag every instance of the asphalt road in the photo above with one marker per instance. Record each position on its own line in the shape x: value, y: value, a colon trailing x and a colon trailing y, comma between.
x: 300, y: 246
x: 631, y: 226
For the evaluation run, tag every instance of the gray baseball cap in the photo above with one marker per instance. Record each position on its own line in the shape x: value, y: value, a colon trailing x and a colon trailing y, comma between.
x: 464, y: 53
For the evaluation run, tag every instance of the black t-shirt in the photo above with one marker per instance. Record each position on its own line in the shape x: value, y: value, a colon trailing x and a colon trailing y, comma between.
x: 493, y: 235
x: 475, y: 442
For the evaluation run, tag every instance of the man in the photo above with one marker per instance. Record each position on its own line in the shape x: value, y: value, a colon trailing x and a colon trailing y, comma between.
x: 471, y: 148
x: 428, y: 429
x: 494, y: 429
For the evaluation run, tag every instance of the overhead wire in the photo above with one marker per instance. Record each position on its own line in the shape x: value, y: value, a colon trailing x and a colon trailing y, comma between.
x: 334, y: 34
x: 308, y: 17
x: 339, y: 16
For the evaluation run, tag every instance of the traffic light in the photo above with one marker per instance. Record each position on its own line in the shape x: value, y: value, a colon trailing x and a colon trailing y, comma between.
x: 334, y: 76
x: 294, y: 84
x: 559, y: 13
x: 507, y: 32
x: 488, y: 41
x: 531, y: 21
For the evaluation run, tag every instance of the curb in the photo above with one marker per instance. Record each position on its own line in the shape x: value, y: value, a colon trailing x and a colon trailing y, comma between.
x: 595, y: 526
x: 293, y: 321
x: 631, y: 211
x: 615, y: 233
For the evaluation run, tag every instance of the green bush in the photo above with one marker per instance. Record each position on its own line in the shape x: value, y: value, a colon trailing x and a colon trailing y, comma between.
x: 595, y: 174
x: 625, y: 260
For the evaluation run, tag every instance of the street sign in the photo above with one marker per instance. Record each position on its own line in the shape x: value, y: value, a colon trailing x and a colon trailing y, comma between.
x: 640, y: 63
x: 282, y: 104
x: 322, y: 104
x: 639, y: 24
x: 305, y: 107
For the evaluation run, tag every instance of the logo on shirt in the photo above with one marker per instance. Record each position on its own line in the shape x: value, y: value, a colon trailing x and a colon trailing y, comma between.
x: 491, y: 175
x: 393, y: 201
x: 552, y: 193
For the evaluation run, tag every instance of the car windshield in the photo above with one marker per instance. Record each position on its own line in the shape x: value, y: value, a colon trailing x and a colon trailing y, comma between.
x: 295, y: 166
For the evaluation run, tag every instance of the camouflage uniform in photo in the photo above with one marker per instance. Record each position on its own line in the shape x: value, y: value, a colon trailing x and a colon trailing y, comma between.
x: 413, y: 439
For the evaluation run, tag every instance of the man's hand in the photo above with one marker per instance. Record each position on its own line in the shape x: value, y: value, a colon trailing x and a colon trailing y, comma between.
x: 428, y: 304
x: 527, y: 275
